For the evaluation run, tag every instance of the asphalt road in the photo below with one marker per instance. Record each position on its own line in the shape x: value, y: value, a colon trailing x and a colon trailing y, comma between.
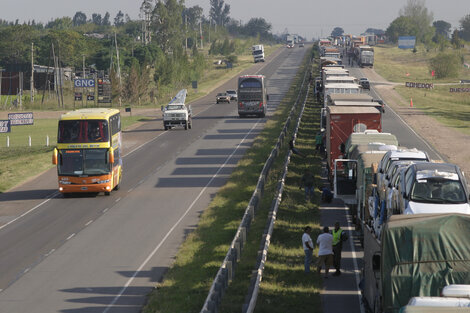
x: 104, y: 254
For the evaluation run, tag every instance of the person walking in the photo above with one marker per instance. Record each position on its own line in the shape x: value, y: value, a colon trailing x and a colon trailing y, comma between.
x: 325, y: 250
x: 307, y: 244
x: 338, y: 237
x: 308, y: 180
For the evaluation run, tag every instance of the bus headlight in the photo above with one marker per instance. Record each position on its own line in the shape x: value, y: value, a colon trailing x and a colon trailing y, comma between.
x: 103, y: 181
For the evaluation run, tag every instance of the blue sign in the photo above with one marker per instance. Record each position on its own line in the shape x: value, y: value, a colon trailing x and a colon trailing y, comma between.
x: 84, y: 82
x: 21, y: 118
x: 406, y: 42
x: 5, y: 126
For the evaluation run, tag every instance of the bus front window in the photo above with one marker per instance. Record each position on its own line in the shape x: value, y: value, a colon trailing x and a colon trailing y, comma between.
x: 71, y: 162
x: 95, y: 162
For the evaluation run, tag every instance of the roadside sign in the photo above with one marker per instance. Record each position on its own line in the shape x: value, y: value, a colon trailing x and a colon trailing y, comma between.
x: 78, y: 96
x: 194, y: 83
x: 5, y: 126
x: 84, y: 82
x: 21, y: 118
x: 90, y: 97
x: 406, y: 42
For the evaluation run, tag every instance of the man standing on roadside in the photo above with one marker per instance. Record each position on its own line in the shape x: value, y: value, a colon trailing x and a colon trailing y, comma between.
x: 308, y: 181
x: 338, y: 237
x: 308, y: 248
x: 325, y: 250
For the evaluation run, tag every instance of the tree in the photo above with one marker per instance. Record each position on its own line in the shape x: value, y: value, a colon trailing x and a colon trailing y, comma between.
x: 375, y: 31
x: 15, y: 45
x: 119, y: 19
x: 166, y: 22
x: 96, y: 19
x: 60, y: 23
x: 465, y: 28
x: 105, y: 21
x: 337, y: 32
x: 219, y: 12
x: 194, y: 15
x: 401, y: 26
x: 257, y: 27
x: 442, y: 28
x: 420, y: 18
x: 79, y: 19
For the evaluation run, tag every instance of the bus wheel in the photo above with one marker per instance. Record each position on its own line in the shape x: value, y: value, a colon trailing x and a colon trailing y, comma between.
x: 107, y: 193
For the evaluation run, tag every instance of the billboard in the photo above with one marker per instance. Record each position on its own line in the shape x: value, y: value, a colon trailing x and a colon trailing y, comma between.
x: 5, y: 126
x: 406, y: 42
x: 21, y: 118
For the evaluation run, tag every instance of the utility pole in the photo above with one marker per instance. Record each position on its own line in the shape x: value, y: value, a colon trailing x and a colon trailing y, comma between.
x: 32, y: 73
x: 200, y: 33
x: 83, y: 75
x: 118, y: 68
x: 186, y: 33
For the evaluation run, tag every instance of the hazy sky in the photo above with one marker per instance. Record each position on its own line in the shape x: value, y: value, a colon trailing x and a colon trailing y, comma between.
x: 305, y: 17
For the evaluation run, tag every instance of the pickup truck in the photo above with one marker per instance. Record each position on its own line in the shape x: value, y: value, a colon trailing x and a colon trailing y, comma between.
x: 222, y: 97
x: 176, y: 113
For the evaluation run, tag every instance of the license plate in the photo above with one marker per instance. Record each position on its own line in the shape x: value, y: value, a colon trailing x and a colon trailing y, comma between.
x: 84, y: 188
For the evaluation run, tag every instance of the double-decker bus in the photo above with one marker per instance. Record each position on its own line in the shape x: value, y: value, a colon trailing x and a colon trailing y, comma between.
x: 88, y: 152
x: 252, y: 95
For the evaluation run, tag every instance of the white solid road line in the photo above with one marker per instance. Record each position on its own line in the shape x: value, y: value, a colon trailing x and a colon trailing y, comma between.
x: 55, y: 194
x: 129, y: 282
x: 356, y: 268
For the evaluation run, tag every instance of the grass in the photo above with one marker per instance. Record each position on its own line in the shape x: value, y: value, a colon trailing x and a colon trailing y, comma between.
x: 394, y: 64
x: 450, y: 109
x: 187, y: 282
x: 285, y: 285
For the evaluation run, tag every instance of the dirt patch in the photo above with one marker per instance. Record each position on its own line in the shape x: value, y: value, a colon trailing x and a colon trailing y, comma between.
x: 450, y: 143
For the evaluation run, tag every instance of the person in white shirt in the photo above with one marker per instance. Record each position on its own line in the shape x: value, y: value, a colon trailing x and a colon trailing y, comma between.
x: 325, y: 250
x: 307, y: 244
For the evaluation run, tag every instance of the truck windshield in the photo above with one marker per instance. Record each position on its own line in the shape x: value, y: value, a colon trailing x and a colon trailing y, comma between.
x: 83, y: 162
x: 257, y: 52
x: 175, y: 107
x: 438, y: 190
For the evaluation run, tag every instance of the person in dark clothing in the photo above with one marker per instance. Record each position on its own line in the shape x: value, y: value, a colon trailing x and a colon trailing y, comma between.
x: 326, y: 194
x: 294, y: 149
x: 338, y: 237
x: 308, y: 182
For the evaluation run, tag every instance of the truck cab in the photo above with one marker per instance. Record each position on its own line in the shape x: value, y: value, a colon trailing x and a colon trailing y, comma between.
x: 176, y: 113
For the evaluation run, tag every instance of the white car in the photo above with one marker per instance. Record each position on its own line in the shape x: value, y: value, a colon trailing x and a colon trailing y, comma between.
x: 433, y: 188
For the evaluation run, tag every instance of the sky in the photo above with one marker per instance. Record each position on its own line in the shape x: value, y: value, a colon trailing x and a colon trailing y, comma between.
x: 308, y: 18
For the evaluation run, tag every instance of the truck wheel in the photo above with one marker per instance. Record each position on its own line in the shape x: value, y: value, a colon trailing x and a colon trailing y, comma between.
x: 166, y: 127
x: 186, y: 126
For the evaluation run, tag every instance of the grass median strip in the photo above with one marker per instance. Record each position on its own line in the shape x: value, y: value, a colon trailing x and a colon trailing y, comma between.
x: 187, y: 283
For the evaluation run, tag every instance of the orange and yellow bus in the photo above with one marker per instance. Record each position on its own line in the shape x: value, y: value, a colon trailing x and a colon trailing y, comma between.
x: 88, y: 152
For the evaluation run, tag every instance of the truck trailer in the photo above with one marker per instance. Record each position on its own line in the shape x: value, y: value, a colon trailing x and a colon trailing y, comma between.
x: 417, y: 255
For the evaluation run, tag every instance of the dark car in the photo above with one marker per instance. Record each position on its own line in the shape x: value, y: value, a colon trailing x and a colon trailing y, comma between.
x: 233, y: 94
x: 364, y: 82
x: 223, y: 97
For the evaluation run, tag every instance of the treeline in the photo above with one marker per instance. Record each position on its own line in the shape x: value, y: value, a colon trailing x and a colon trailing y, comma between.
x: 161, y: 51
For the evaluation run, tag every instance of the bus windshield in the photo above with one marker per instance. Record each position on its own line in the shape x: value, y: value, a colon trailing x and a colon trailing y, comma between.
x: 83, y: 162
x: 83, y: 131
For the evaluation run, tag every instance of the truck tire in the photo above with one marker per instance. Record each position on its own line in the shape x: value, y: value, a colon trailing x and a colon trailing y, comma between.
x: 186, y: 126
x: 166, y: 127
x: 107, y: 193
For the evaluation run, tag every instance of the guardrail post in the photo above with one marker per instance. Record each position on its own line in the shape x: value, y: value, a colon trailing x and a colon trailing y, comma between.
x: 29, y: 141
x: 47, y: 141
x: 8, y: 141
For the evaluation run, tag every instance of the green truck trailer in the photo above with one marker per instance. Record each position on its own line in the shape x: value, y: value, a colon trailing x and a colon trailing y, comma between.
x: 417, y: 255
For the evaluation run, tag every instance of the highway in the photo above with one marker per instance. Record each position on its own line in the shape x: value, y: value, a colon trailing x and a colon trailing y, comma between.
x: 104, y: 254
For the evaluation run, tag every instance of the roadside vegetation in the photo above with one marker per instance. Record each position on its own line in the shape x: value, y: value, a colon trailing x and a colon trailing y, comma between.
x: 186, y: 284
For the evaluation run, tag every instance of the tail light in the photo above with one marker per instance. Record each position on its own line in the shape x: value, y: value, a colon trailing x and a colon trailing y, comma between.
x: 240, y: 104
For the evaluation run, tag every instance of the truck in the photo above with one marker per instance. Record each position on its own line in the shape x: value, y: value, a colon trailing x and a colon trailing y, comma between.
x: 258, y: 53
x: 364, y: 55
x: 341, y: 122
x: 363, y: 152
x: 290, y: 41
x: 177, y: 113
x: 417, y: 255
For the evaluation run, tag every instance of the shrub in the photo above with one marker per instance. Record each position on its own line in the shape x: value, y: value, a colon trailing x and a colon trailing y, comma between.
x: 445, y: 65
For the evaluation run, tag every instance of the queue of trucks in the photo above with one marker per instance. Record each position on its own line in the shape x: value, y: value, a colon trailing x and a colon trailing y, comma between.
x: 412, y: 214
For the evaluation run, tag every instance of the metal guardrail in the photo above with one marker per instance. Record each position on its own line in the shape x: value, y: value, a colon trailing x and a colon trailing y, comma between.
x: 252, y: 295
x: 226, y: 272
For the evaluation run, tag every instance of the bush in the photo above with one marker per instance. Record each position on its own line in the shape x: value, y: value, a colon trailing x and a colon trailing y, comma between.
x: 232, y: 59
x: 445, y: 65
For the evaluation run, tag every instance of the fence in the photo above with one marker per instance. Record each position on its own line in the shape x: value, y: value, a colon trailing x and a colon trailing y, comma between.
x: 226, y: 272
